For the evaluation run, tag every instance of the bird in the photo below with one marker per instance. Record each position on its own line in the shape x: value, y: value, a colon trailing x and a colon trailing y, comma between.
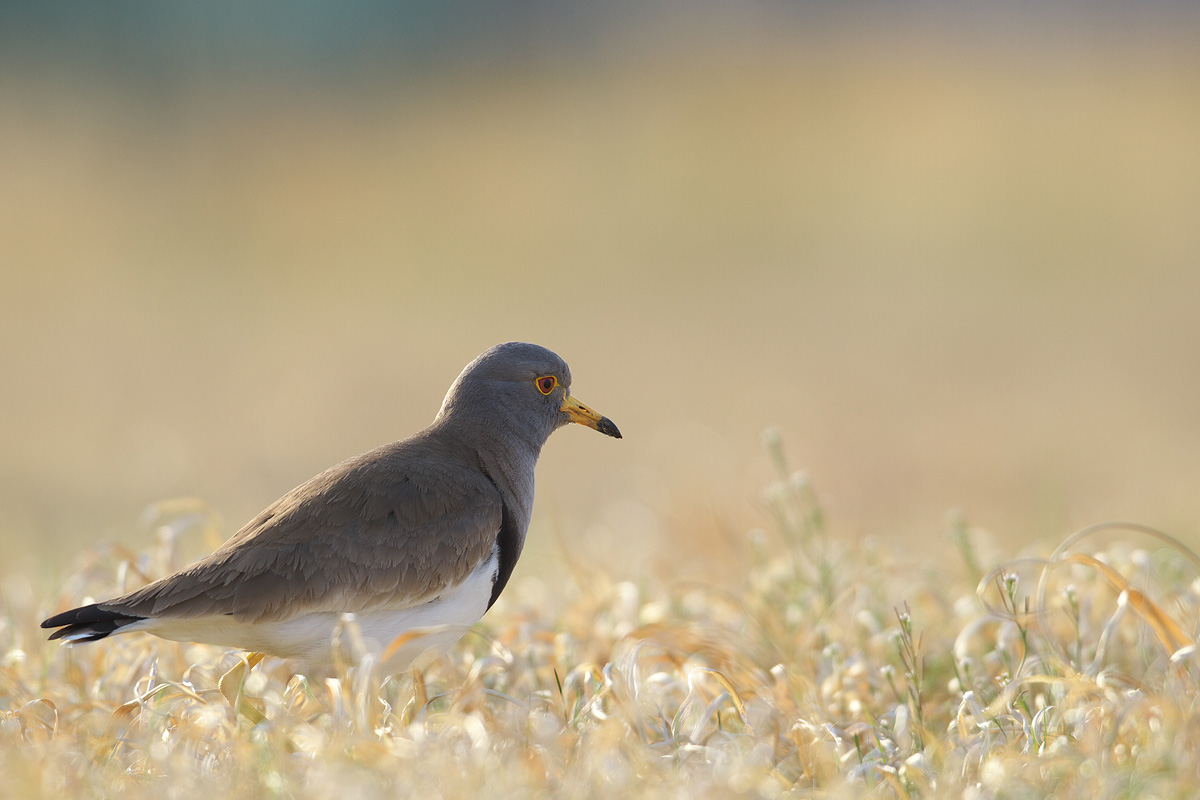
x: 415, y: 539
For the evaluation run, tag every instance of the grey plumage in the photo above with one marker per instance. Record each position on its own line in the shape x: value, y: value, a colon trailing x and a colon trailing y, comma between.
x: 391, y: 532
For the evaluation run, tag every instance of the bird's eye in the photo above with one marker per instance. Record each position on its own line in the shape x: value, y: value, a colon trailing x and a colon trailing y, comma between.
x: 546, y: 384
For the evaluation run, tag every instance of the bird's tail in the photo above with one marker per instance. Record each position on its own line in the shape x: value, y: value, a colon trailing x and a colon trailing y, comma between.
x: 87, y: 623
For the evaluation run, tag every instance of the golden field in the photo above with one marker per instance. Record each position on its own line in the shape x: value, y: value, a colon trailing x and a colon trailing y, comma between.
x: 1071, y: 675
x: 956, y: 270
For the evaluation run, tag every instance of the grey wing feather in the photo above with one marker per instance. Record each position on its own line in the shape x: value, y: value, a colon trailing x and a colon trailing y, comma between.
x: 389, y: 529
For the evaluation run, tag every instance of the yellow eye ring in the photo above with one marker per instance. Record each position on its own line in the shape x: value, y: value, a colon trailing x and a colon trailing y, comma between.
x: 546, y: 384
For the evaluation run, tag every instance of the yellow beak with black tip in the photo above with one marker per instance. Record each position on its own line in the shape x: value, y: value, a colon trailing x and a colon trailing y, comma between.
x: 579, y: 413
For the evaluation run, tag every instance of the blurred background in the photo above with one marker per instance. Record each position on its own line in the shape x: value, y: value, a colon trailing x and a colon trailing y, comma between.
x: 950, y: 250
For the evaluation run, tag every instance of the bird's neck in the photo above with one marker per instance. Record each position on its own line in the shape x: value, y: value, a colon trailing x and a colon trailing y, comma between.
x: 506, y: 453
x: 515, y: 482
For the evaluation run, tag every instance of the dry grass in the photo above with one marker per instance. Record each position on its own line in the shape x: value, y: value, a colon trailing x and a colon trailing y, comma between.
x: 836, y: 671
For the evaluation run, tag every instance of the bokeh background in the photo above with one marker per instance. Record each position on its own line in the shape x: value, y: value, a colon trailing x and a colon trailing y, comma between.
x: 950, y: 250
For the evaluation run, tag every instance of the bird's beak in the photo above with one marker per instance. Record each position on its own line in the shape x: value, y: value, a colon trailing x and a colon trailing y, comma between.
x: 578, y: 412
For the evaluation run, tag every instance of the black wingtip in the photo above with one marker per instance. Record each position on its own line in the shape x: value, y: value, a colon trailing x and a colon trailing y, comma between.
x: 87, y: 623
x: 79, y: 616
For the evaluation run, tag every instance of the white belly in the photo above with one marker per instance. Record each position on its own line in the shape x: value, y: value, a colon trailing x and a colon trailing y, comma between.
x: 440, y: 623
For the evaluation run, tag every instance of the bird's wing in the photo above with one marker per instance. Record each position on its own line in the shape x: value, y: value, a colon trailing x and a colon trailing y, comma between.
x: 389, y: 529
